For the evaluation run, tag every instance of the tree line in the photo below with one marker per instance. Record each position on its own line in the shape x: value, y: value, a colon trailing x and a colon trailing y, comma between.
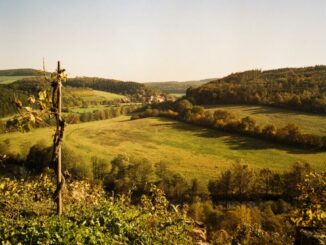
x: 96, y: 115
x: 301, y: 89
x: 185, y: 111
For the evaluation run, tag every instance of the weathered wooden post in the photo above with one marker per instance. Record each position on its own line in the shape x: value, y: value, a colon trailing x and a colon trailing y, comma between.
x: 59, y: 175
x: 58, y: 136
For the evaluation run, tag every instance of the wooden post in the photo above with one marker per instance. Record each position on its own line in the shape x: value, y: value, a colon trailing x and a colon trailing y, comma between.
x: 59, y: 177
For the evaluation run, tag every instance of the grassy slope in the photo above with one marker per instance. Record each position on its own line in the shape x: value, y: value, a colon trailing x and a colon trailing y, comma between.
x: 178, y: 95
x: 88, y: 95
x: 309, y: 123
x: 189, y: 150
x: 94, y: 95
x: 11, y: 79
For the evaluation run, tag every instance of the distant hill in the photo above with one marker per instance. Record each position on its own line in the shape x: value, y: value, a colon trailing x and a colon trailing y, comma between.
x: 136, y: 91
x: 294, y: 88
x: 172, y: 87
x: 21, y: 72
x: 12, y: 75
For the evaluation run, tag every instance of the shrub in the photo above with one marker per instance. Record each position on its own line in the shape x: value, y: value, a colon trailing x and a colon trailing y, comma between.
x: 90, y: 218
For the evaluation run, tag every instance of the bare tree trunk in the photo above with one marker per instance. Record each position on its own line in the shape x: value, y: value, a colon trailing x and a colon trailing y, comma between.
x: 58, y: 122
x: 58, y: 136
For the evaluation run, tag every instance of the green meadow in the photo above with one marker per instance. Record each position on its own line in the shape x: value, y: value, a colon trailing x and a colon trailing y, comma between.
x: 192, y: 151
x: 309, y: 123
x: 177, y: 95
x: 11, y: 79
x: 92, y: 95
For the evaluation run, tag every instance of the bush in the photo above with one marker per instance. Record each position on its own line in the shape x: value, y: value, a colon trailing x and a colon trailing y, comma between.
x: 26, y: 216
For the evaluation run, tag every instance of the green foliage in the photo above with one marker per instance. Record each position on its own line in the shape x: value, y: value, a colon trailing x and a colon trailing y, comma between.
x: 90, y: 218
x: 242, y: 183
x: 243, y: 224
x: 38, y: 107
x: 312, y: 198
x: 129, y: 174
x: 137, y: 175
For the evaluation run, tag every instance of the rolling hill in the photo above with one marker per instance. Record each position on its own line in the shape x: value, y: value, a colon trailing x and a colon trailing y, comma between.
x: 294, y: 88
x: 12, y: 75
x: 21, y: 72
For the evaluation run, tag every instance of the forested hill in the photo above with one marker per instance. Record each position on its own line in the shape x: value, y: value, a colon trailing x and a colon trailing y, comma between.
x: 176, y: 87
x: 109, y: 85
x: 21, y: 72
x: 295, y: 88
x: 30, y: 85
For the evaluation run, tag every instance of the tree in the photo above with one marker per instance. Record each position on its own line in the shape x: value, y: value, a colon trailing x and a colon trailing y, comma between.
x: 243, y: 178
x: 248, y: 125
x: 265, y: 175
x: 293, y: 178
x: 311, y: 196
x: 269, y: 131
x: 222, y: 186
x: 183, y: 106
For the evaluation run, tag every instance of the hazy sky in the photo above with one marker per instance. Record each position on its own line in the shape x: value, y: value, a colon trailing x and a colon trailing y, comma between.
x: 157, y: 40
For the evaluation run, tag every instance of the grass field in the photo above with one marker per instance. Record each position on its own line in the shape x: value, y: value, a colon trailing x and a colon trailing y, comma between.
x: 88, y: 109
x: 93, y: 95
x: 178, y: 95
x: 309, y: 123
x: 11, y: 79
x: 189, y: 150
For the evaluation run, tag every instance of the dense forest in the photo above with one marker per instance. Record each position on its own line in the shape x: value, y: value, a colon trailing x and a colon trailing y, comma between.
x: 294, y: 88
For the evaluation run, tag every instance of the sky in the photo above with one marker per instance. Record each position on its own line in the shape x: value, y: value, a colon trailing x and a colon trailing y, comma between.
x: 162, y: 40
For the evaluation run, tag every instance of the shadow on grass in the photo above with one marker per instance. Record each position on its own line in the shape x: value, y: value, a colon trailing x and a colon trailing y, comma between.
x: 263, y: 109
x: 234, y: 141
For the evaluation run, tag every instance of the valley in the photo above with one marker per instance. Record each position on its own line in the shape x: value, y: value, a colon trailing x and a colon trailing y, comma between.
x: 189, y: 150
